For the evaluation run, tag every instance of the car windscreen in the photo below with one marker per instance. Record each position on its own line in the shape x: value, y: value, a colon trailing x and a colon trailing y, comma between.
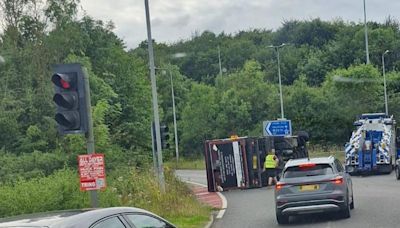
x: 307, y: 170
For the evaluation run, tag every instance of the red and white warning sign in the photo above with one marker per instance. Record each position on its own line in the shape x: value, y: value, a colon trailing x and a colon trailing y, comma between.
x: 92, y: 172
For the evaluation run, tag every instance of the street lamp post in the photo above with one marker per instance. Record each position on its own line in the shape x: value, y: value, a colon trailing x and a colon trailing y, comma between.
x: 366, y: 34
x: 159, y: 162
x: 384, y: 81
x: 219, y: 61
x: 276, y: 48
x: 174, y: 113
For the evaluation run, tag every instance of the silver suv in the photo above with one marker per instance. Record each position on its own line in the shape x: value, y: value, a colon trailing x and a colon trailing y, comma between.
x: 311, y: 186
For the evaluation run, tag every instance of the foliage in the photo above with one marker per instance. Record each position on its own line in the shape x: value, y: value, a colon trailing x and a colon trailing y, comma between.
x: 126, y: 187
x: 198, y: 117
x: 55, y: 192
x: 325, y: 86
x: 321, y: 68
x: 187, y: 163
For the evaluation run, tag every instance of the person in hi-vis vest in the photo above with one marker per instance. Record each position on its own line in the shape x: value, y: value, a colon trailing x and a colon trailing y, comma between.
x: 270, y: 165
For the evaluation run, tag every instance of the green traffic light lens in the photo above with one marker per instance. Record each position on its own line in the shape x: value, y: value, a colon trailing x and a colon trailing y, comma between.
x: 66, y: 100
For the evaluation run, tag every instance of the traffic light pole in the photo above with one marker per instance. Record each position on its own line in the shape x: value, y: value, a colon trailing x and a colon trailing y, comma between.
x: 153, y: 147
x: 89, y: 135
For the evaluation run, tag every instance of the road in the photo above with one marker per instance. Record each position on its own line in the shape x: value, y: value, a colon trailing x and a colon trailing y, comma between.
x: 377, y: 204
x: 197, y: 176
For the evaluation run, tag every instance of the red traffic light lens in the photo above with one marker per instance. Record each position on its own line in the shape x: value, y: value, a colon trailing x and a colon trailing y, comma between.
x: 65, y: 81
x: 65, y: 84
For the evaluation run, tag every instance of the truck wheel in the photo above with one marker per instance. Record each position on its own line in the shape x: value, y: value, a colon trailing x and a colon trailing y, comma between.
x: 282, y: 219
x: 397, y: 170
x: 385, y: 169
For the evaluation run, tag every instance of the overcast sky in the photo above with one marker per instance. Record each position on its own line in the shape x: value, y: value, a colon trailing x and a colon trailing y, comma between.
x: 179, y: 19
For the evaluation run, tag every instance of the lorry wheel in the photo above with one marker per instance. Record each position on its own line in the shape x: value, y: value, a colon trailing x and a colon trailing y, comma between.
x: 282, y: 219
x: 397, y: 170
x: 389, y: 169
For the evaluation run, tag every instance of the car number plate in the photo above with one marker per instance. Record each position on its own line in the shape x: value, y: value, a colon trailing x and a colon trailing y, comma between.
x: 310, y: 187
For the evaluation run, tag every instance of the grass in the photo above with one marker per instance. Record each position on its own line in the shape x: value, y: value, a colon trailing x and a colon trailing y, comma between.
x: 178, y: 205
x: 125, y: 187
x: 318, y: 151
x: 196, y: 221
x: 185, y: 163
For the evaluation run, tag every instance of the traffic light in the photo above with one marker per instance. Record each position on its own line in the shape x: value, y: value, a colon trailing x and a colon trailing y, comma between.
x: 164, y: 136
x: 69, y: 86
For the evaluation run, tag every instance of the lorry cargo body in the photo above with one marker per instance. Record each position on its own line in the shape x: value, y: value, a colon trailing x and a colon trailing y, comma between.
x: 238, y: 163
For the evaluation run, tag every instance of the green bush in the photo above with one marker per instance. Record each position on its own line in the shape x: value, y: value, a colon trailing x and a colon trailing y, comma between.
x: 126, y: 187
x: 29, y: 165
x: 56, y: 192
x: 139, y: 188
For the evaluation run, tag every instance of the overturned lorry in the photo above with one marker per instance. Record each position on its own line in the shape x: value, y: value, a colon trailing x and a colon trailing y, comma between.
x: 237, y: 163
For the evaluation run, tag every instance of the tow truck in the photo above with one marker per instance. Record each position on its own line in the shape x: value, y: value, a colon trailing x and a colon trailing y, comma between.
x: 372, y: 145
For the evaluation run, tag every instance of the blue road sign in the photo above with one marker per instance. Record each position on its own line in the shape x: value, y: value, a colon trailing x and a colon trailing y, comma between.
x: 277, y: 128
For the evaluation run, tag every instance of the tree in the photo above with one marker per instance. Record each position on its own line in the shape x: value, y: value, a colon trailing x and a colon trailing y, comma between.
x: 198, y: 118
x: 353, y: 91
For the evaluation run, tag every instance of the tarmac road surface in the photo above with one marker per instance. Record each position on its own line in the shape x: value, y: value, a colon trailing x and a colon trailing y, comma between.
x: 377, y: 204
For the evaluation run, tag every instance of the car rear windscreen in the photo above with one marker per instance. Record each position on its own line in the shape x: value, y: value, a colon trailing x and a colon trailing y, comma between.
x: 304, y: 171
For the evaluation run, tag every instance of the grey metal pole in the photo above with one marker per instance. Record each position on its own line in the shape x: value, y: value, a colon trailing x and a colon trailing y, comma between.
x: 219, y: 61
x: 384, y: 82
x: 280, y: 83
x: 153, y: 147
x: 366, y: 34
x: 155, y: 100
x: 175, y: 125
x: 89, y: 135
x: 276, y: 48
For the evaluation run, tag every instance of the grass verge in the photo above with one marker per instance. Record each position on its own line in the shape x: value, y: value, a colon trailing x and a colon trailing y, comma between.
x: 318, y: 151
x: 126, y: 187
x: 186, y: 163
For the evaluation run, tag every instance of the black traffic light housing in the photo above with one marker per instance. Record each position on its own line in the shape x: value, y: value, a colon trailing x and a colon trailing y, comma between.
x: 69, y: 86
x: 164, y: 136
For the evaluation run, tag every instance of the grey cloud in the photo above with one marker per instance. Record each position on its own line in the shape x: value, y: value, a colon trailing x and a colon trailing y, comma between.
x: 156, y: 22
x: 181, y: 21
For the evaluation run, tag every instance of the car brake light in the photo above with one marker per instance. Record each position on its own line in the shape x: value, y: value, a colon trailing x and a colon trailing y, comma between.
x: 279, y: 185
x: 337, y: 180
x: 307, y: 165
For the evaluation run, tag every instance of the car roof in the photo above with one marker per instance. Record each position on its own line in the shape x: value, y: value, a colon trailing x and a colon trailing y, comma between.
x: 70, y: 218
x: 319, y: 160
